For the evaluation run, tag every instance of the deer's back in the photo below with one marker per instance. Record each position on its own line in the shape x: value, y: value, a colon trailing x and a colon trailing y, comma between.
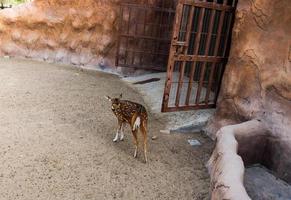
x: 128, y: 109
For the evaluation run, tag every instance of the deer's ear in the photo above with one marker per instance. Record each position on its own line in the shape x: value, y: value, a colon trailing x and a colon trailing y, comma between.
x: 120, y: 96
x: 108, y: 98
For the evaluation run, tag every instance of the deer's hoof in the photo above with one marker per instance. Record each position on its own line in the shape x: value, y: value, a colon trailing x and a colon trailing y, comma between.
x: 114, y: 140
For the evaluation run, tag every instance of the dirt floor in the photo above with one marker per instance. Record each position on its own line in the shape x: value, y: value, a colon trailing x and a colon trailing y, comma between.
x: 56, y: 131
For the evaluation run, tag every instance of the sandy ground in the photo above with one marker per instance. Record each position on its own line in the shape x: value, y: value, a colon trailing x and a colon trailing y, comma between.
x: 56, y: 132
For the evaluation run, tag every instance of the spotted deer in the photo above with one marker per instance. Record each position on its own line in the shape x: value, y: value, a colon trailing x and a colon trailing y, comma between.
x: 133, y: 114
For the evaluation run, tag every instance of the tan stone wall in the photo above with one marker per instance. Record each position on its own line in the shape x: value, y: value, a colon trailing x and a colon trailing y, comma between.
x: 257, y: 79
x: 80, y: 32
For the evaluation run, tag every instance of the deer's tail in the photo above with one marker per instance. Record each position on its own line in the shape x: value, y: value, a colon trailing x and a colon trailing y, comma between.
x: 136, y: 124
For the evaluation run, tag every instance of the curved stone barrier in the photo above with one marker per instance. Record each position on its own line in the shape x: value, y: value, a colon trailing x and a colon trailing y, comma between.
x: 225, y: 166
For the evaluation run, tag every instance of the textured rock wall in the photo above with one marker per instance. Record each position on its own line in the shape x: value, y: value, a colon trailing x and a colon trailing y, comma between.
x: 257, y: 79
x: 80, y: 32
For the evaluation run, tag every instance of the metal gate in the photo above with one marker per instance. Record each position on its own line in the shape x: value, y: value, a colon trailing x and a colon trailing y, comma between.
x: 144, y: 35
x: 198, y: 54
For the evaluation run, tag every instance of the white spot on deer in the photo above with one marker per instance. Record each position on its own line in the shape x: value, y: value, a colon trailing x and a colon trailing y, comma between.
x: 136, y: 124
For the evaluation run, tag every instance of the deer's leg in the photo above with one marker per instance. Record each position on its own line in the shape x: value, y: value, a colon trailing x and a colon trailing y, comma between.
x: 134, y: 133
x: 121, y: 131
x: 144, y: 134
x: 118, y: 130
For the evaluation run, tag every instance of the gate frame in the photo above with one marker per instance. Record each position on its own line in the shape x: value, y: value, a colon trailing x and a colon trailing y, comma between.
x: 183, y: 57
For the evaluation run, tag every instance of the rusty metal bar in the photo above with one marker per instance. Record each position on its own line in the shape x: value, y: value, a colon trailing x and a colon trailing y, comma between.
x: 199, y: 58
x: 210, y: 5
x: 221, y: 68
x: 171, y: 61
x: 194, y: 57
x: 210, y: 30
x: 187, y: 39
x: 213, y: 66
x: 188, y: 107
x: 128, y: 29
x: 144, y: 33
x: 135, y: 40
x: 222, y: 15
x: 145, y: 22
x: 148, y: 7
x: 119, y: 37
x: 219, y: 80
x: 158, y: 34
x: 190, y: 84
x: 200, y: 83
x: 219, y: 31
x: 229, y: 25
x: 169, y: 21
x: 197, y: 44
x: 198, y: 34
x: 148, y: 52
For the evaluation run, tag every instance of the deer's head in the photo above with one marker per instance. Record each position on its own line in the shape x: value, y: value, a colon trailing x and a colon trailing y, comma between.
x: 115, y: 102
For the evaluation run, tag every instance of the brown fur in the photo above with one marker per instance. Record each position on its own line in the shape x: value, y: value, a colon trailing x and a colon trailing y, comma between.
x: 128, y: 112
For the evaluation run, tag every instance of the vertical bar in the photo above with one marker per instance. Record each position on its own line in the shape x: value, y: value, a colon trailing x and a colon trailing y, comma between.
x: 196, y: 47
x: 213, y: 66
x: 215, y: 54
x: 169, y: 22
x: 128, y: 28
x: 182, y: 70
x: 119, y: 36
x: 207, y: 53
x: 198, y: 34
x: 210, y: 30
x: 193, y: 67
x: 196, y: 51
x: 219, y: 80
x: 219, y: 30
x: 201, y: 79
x: 228, y: 29
x: 171, y: 61
x: 144, y: 33
x: 145, y: 22
x: 159, y: 27
x: 221, y: 20
x: 208, y: 40
x: 135, y: 39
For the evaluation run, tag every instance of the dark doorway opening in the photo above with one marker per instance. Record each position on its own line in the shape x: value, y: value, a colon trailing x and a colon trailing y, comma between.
x: 144, y: 35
